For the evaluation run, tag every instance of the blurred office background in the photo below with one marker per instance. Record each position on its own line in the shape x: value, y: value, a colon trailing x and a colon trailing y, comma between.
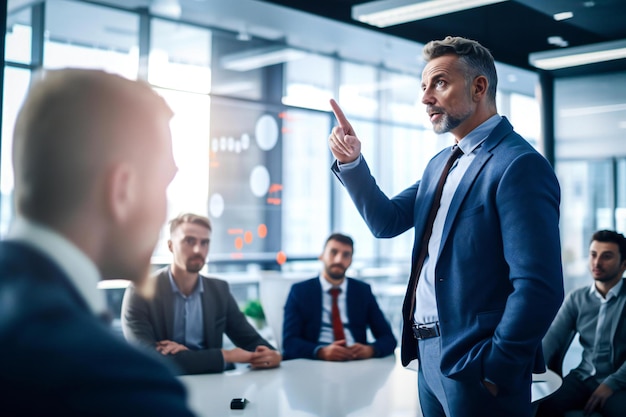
x: 249, y: 82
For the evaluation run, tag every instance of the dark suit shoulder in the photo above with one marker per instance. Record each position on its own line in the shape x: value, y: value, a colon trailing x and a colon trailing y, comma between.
x: 358, y: 283
x: 53, y: 347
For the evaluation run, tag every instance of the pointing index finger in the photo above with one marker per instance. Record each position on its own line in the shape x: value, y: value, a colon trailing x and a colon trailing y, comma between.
x: 341, y: 118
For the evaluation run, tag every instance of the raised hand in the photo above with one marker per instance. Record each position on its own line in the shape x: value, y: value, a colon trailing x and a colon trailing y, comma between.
x: 343, y: 143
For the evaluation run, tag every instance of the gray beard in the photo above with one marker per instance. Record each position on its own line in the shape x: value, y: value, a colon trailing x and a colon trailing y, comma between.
x: 449, y: 123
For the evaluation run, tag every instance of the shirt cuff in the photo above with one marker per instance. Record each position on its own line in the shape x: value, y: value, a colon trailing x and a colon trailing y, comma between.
x: 349, y: 165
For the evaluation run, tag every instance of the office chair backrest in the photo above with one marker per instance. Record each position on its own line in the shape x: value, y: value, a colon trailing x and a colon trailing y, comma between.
x: 273, y: 291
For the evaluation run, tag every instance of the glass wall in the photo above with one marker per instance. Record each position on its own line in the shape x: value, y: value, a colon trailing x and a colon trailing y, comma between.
x: 250, y: 139
x: 97, y: 37
x: 590, y: 163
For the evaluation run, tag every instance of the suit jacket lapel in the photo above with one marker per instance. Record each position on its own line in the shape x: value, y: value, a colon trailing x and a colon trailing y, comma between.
x: 461, y: 192
x: 316, y: 304
x: 483, y: 154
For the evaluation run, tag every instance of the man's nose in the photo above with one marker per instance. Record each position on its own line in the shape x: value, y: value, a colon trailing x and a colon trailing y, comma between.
x: 427, y: 98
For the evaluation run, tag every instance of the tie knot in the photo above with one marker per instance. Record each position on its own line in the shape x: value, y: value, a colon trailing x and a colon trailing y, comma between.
x: 456, y: 152
x: 335, y: 291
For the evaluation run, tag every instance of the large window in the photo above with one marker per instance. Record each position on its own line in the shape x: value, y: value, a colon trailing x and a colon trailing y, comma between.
x: 586, y: 206
x: 309, y: 82
x: 180, y: 57
x: 249, y: 137
x: 15, y: 85
x: 306, y: 183
x: 86, y: 36
x: 590, y: 155
x: 18, y: 37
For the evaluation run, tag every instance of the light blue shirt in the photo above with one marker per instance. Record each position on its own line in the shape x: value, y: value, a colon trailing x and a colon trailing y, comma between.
x: 188, y: 322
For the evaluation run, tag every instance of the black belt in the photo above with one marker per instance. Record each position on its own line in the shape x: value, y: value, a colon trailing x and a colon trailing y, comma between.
x: 425, y: 331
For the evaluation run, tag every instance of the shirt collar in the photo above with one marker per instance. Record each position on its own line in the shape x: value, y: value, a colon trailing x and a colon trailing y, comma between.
x: 326, y: 286
x: 613, y: 292
x: 197, y: 289
x: 80, y: 270
x: 476, y: 137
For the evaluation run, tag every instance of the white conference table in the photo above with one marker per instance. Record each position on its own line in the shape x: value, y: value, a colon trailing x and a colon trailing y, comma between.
x: 301, y: 387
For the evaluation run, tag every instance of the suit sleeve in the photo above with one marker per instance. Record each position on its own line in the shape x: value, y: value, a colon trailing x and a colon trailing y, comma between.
x: 136, y: 324
x: 532, y: 251
x: 560, y: 335
x: 385, y: 217
x: 295, y: 342
x: 226, y: 318
x: 138, y: 327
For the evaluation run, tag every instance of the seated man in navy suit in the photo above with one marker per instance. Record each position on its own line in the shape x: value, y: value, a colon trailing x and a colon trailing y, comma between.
x: 318, y: 325
x: 92, y: 158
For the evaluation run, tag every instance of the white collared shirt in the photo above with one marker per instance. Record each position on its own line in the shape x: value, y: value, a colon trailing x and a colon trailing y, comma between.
x: 326, y: 334
x: 80, y: 270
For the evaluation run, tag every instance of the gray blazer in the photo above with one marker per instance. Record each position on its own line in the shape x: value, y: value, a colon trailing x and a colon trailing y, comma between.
x: 577, y: 315
x: 148, y: 321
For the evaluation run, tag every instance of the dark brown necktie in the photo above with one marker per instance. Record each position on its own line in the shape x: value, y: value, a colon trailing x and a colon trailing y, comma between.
x: 428, y: 229
x: 336, y: 317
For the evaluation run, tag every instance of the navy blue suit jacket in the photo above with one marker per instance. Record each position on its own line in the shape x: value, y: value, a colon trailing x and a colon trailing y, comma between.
x: 57, y: 358
x: 303, y: 319
x: 498, y: 277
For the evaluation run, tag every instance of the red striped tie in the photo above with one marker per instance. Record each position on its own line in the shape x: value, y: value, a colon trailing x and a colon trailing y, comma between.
x: 336, y: 317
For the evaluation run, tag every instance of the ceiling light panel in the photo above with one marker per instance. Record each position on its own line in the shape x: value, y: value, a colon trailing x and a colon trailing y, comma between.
x: 385, y: 13
x: 580, y: 55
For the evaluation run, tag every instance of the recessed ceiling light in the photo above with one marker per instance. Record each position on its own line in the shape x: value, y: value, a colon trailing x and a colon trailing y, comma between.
x: 557, y: 41
x: 563, y: 16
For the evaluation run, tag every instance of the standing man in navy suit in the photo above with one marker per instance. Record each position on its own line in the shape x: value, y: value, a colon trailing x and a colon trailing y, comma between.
x: 308, y: 325
x: 92, y: 157
x: 486, y: 279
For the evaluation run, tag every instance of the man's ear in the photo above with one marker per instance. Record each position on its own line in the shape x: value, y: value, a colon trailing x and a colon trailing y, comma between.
x: 479, y: 88
x: 121, y: 192
x: 169, y: 245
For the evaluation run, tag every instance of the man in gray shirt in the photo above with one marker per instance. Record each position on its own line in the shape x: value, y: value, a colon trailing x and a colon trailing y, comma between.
x: 596, y: 313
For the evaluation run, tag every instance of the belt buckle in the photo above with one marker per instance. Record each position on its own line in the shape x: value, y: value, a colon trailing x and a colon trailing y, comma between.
x: 425, y: 331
